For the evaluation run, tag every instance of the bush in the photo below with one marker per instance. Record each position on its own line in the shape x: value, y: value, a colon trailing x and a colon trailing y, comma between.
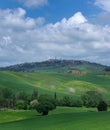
x: 102, y: 106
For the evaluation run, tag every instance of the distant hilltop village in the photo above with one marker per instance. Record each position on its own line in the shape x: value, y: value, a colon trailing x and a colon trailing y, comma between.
x: 74, y: 71
x: 56, y: 65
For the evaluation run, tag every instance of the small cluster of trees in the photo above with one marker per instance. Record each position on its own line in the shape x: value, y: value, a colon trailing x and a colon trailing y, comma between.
x: 20, y: 100
x: 91, y: 98
x: 45, y: 103
x: 6, y: 98
x: 69, y: 102
x: 94, y: 99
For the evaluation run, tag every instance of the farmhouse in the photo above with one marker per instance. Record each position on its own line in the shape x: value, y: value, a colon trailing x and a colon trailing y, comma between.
x: 77, y: 72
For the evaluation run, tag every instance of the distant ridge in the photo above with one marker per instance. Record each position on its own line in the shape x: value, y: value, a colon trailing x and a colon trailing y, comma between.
x: 55, y: 65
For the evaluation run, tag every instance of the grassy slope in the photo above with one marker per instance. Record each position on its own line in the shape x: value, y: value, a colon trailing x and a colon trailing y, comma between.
x: 49, y: 83
x: 10, y: 116
x: 10, y: 80
x: 61, y: 119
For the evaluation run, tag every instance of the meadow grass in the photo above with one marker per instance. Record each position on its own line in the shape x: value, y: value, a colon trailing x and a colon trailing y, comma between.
x: 62, y: 118
x: 15, y: 115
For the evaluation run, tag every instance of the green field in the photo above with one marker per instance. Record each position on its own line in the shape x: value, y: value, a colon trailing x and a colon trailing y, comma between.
x: 62, y: 118
x: 59, y: 119
x: 63, y: 84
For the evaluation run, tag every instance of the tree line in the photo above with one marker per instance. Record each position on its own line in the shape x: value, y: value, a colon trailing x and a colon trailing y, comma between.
x: 44, y: 103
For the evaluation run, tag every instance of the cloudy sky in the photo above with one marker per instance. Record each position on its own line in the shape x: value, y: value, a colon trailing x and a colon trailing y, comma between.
x: 36, y: 30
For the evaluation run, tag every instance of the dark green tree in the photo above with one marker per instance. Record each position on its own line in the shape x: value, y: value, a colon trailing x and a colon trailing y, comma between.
x: 55, y: 96
x: 91, y: 98
x: 76, y: 103
x: 23, y: 96
x: 102, y: 106
x: 21, y: 104
x: 66, y: 101
x: 7, y: 96
x: 46, y: 104
x: 34, y: 94
x: 1, y: 99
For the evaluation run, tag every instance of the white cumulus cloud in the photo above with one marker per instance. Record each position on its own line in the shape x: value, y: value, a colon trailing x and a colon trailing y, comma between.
x: 28, y: 39
x: 16, y: 19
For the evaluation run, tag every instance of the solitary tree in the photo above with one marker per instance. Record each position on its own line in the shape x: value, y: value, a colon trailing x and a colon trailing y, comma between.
x: 46, y: 104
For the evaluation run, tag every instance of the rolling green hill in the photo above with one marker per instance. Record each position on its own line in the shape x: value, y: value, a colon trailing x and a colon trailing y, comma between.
x: 63, y: 84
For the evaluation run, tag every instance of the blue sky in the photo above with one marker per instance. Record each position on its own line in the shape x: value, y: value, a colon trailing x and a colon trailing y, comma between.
x: 55, y: 10
x: 36, y: 30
